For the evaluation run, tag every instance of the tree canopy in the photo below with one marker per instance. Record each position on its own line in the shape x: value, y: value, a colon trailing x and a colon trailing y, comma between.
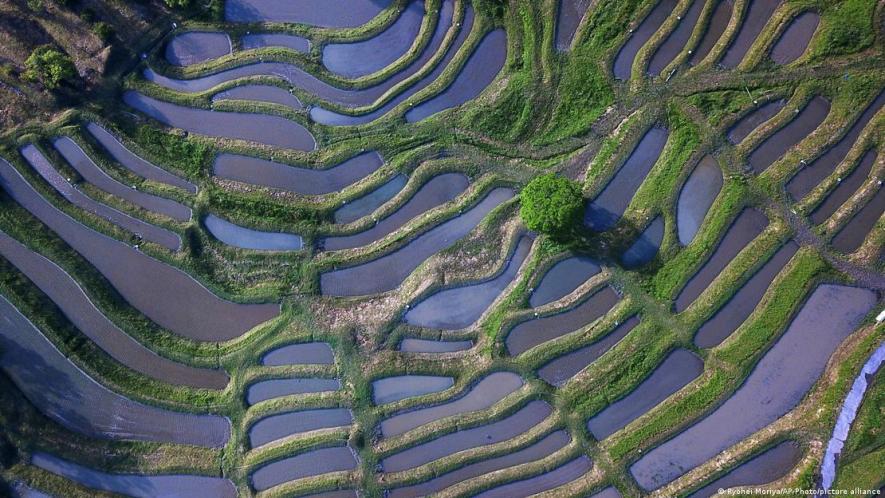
x: 49, y: 66
x: 551, y: 204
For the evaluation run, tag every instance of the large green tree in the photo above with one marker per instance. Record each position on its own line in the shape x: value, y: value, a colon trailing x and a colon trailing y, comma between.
x: 551, y: 204
x: 49, y: 66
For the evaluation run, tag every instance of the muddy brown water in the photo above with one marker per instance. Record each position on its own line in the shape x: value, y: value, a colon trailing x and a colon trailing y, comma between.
x: 776, y: 385
x: 390, y: 389
x: 676, y: 40
x: 90, y: 171
x: 360, y: 58
x: 261, y: 40
x: 387, y: 272
x: 308, y: 464
x: 72, y: 194
x: 767, y: 467
x: 746, y: 227
x: 134, y: 163
x: 696, y: 197
x: 812, y: 174
x: 560, y: 370
x: 607, y: 208
x: 562, y: 279
x: 715, y: 27
x: 481, y: 68
x: 845, y: 189
x: 136, y: 485
x: 794, y: 41
x: 437, y: 191
x: 260, y: 128
x: 323, y: 13
x: 370, y: 202
x: 646, y: 246
x: 740, y: 130
x: 274, y: 388
x: 332, y: 118
x: 756, y: 16
x: 624, y: 60
x: 537, y: 451
x: 166, y: 295
x: 411, y: 345
x: 559, y: 476
x: 852, y: 235
x: 744, y: 301
x: 70, y: 397
x: 307, y: 353
x: 509, y: 427
x: 776, y: 145
x: 247, y: 238
x: 197, y: 46
x: 535, y: 331
x: 75, y: 304
x: 300, y: 180
x: 260, y: 93
x: 675, y: 372
x: 276, y: 427
x: 459, y: 307
x: 567, y: 21
x: 488, y: 391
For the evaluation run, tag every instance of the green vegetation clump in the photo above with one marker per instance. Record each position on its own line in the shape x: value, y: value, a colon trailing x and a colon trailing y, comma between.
x: 50, y: 66
x: 848, y: 27
x: 552, y: 205
x: 190, y: 156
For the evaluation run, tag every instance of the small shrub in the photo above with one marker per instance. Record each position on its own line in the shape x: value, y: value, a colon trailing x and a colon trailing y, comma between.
x: 104, y: 31
x: 178, y: 4
x: 49, y: 66
x: 552, y: 204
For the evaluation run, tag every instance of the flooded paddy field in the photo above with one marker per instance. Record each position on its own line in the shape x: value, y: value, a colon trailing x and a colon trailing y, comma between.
x: 852, y: 235
x: 264, y: 390
x: 777, y: 144
x: 761, y: 469
x: 756, y: 15
x: 646, y: 246
x: 367, y: 204
x: 557, y: 477
x: 696, y: 198
x: 247, y: 238
x: 623, y: 64
x: 560, y: 370
x: 308, y: 464
x: 562, y: 279
x: 276, y: 427
x: 392, y: 389
x: 308, y: 353
x: 568, y: 19
x: 323, y: 13
x: 197, y: 46
x: 715, y: 28
x: 261, y: 40
x: 747, y: 124
x: 676, y: 40
x: 794, y: 41
x: 846, y: 188
x: 260, y: 93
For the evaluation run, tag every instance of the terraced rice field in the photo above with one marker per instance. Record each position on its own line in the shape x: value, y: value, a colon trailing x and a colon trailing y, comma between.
x: 291, y: 251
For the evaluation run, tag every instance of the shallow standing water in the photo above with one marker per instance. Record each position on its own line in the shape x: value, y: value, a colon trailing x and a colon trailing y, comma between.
x: 794, y: 41
x: 276, y: 427
x: 624, y: 61
x: 755, y: 18
x: 767, y: 467
x: 607, y: 208
x: 567, y: 21
x: 777, y: 144
x: 718, y: 22
x: 696, y: 197
x: 559, y: 476
x: 260, y: 93
x: 562, y: 279
x: 247, y: 238
x: 646, y: 246
x: 391, y: 389
x: 197, y: 46
x: 370, y: 202
x: 261, y: 40
x: 274, y: 388
x: 740, y: 130
x: 307, y: 353
x: 324, y: 13
x: 850, y: 238
x: 310, y: 463
x: 846, y: 188
x: 675, y: 42
x: 777, y: 384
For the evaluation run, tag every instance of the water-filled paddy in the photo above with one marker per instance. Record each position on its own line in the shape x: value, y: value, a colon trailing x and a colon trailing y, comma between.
x: 541, y: 449
x: 197, y: 46
x: 812, y: 174
x: 459, y: 307
x: 509, y: 427
x: 70, y: 397
x: 276, y: 427
x: 852, y: 235
x: 166, y: 295
x: 650, y: 24
x: 308, y: 353
x: 559, y: 476
x: 136, y: 164
x: 484, y: 394
x: 696, y: 197
x: 846, y: 188
x: 72, y: 194
x: 368, y: 203
x: 478, y: 72
x: 260, y: 93
x: 562, y: 279
x: 311, y: 463
x: 300, y: 180
x: 715, y: 27
x: 260, y: 128
x: 364, y: 57
x: 391, y: 389
x: 778, y: 382
x: 437, y: 191
x: 247, y: 238
x: 755, y: 17
x: 567, y: 21
x: 387, y: 272
x: 261, y: 40
x: 678, y: 369
x: 274, y: 388
x: 740, y: 130
x: 535, y: 331
x: 748, y: 225
x: 324, y: 13
x: 560, y: 370
x: 777, y: 144
x: 608, y: 207
x: 90, y: 171
x: 136, y: 485
x: 794, y: 41
x: 676, y: 40
x: 76, y: 305
x: 767, y: 467
x: 744, y: 301
x: 411, y: 345
x: 646, y: 246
